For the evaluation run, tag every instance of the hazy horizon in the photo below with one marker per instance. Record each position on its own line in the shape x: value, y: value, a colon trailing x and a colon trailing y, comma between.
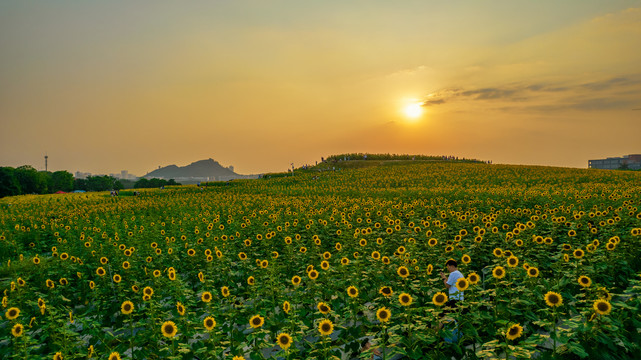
x: 102, y: 87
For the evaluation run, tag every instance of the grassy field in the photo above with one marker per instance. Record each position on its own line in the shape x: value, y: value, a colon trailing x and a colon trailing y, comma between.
x: 316, y: 264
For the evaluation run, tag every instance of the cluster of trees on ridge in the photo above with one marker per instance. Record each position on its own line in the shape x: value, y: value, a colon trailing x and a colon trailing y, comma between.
x: 27, y: 180
x: 364, y: 156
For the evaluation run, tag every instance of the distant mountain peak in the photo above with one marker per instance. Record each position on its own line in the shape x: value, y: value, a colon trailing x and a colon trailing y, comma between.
x: 208, y: 169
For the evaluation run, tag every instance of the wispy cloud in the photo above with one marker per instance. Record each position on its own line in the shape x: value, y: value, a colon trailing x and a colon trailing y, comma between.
x: 621, y: 92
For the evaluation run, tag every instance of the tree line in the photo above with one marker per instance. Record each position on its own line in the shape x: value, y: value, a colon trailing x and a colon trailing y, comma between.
x: 27, y: 180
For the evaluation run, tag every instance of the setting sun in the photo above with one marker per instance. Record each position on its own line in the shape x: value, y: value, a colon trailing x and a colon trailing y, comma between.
x: 413, y: 110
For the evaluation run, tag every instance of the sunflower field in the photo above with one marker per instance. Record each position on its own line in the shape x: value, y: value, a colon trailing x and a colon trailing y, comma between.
x: 330, y: 264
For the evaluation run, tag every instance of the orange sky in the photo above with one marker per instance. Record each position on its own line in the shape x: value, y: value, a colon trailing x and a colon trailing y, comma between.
x: 108, y: 86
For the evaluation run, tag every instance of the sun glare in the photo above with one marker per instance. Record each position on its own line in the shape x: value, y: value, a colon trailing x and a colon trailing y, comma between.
x: 413, y: 110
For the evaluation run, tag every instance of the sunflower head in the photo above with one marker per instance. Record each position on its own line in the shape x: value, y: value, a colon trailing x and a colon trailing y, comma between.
x: 512, y: 261
x: 473, y: 278
x: 287, y: 307
x: 514, y: 332
x: 296, y: 280
x: 439, y: 299
x: 114, y: 356
x: 323, y: 308
x: 17, y: 330
x: 498, y: 272
x: 405, y: 299
x: 127, y: 307
x: 584, y: 281
x: 386, y: 291
x: 12, y: 313
x: 383, y: 314
x: 256, y: 321
x: 602, y: 307
x: 403, y: 272
x: 532, y: 271
x: 284, y: 340
x: 462, y: 284
x: 325, y: 327
x: 169, y: 329
x: 209, y: 323
x: 352, y: 291
x: 553, y: 299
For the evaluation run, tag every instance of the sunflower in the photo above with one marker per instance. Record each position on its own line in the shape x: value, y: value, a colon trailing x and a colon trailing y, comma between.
x: 602, y: 307
x: 17, y: 330
x: 497, y: 252
x: 313, y: 274
x: 12, y: 313
x: 296, y: 280
x: 171, y: 275
x: 287, y: 307
x: 466, y: 259
x: 566, y: 257
x: 439, y: 298
x: 324, y: 265
x: 512, y: 261
x: 148, y: 291
x: 610, y: 246
x: 584, y: 281
x: 251, y: 281
x: 157, y: 273
x: 352, y: 291
x: 344, y: 261
x: 284, y: 340
x: 325, y: 327
x: 362, y: 242
x: 169, y: 329
x: 473, y: 278
x: 462, y: 284
x: 323, y: 308
x: 238, y: 358
x: 92, y: 284
x: 127, y: 307
x: 209, y: 323
x: 376, y: 255
x: 206, y: 296
x: 405, y: 299
x: 383, y: 314
x: 256, y: 321
x: 578, y: 253
x: 264, y: 264
x: 553, y: 299
x: 104, y: 260
x: 224, y: 291
x: 532, y: 272
x: 386, y: 291
x: 514, y: 332
x: 498, y: 272
x: 57, y: 356
x: 117, y: 278
x: 181, y: 308
x: 114, y: 356
x: 430, y: 268
x: 385, y: 260
x: 403, y: 272
x: 100, y: 271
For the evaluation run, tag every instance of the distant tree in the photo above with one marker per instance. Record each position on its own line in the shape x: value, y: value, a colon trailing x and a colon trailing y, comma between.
x: 142, y: 183
x: 9, y: 185
x: 31, y: 181
x: 61, y: 181
x: 81, y: 184
x: 172, y: 182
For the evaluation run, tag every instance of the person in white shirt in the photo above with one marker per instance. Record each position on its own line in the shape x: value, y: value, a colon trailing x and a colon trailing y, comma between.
x: 450, y: 282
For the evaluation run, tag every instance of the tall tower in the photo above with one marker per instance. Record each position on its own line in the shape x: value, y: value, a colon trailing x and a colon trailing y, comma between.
x: 46, y: 157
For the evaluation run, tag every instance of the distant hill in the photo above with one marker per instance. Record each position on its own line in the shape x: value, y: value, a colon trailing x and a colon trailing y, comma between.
x: 203, y: 170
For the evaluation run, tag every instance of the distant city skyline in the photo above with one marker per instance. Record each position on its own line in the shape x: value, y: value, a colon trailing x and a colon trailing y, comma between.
x: 105, y: 86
